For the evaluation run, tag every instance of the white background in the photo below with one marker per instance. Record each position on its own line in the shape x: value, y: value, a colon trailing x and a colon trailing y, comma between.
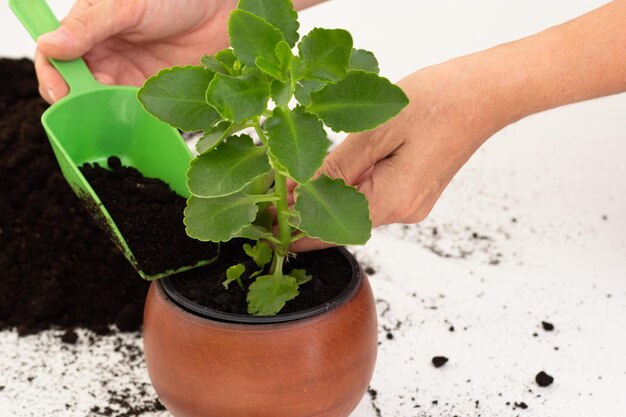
x: 557, y: 174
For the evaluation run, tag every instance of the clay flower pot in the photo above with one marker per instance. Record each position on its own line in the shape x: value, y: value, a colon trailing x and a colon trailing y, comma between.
x: 313, y: 363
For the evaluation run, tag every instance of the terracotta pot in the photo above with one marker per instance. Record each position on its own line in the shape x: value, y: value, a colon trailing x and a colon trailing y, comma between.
x: 315, y: 363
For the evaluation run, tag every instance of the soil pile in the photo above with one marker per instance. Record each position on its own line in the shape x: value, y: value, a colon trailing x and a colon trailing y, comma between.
x: 57, y: 268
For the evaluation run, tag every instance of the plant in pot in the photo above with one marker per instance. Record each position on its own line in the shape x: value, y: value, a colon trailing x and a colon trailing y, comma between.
x: 262, y: 357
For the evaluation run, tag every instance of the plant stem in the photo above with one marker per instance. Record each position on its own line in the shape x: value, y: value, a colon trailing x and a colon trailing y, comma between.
x: 282, y: 210
x: 277, y: 264
x: 298, y: 236
x: 259, y: 131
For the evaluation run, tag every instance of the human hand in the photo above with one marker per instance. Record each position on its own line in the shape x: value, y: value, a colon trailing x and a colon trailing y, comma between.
x: 403, y: 166
x: 124, y: 42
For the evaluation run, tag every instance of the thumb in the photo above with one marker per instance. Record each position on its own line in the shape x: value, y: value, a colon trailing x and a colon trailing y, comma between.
x: 84, y: 27
x: 354, y: 158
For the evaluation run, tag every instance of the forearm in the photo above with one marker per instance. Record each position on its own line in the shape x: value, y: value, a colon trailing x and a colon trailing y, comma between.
x: 582, y: 59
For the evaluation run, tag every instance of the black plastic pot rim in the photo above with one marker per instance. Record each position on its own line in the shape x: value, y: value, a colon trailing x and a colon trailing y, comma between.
x: 217, y: 315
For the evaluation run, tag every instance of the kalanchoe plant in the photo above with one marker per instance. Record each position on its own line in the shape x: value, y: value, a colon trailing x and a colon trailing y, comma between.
x: 234, y: 180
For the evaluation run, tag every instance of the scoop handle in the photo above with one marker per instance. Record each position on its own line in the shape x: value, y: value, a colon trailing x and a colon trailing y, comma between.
x: 38, y: 19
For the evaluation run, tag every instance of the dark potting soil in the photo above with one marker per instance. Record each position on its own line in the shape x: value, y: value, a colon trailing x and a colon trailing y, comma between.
x: 543, y: 379
x: 330, y: 270
x: 149, y: 215
x: 57, y: 268
x: 439, y: 361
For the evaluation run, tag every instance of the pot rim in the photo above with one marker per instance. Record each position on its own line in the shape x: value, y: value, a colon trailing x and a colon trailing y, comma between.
x: 212, y: 314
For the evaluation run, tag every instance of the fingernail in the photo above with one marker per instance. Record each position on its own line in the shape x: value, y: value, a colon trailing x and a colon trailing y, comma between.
x: 58, y: 37
x: 51, y: 94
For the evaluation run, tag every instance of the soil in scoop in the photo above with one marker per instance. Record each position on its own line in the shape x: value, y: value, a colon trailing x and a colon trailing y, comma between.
x: 57, y: 268
x: 149, y: 215
x: 330, y: 270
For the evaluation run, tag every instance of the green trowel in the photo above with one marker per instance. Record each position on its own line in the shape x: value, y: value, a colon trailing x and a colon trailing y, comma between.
x: 96, y: 121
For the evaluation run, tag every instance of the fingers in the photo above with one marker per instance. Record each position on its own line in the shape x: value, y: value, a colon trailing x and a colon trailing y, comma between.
x: 51, y: 85
x: 308, y: 244
x: 358, y: 153
x: 86, y: 25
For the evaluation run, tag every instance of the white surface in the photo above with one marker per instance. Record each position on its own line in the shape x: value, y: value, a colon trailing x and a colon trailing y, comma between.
x: 557, y: 174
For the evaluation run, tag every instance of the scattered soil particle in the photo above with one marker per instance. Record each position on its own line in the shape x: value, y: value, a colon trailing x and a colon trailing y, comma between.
x: 543, y: 379
x: 373, y: 395
x: 521, y: 405
x: 439, y: 361
x: 149, y: 215
x: 370, y: 271
x: 70, y: 337
x: 389, y: 336
x: 548, y: 327
x: 58, y: 268
x: 372, y: 392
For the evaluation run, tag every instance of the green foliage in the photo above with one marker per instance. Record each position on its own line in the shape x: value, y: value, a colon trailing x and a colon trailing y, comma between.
x: 228, y: 169
x: 333, y: 212
x: 176, y: 96
x: 268, y: 294
x: 234, y: 274
x: 239, y: 98
x: 211, y: 139
x: 361, y: 101
x: 360, y: 59
x: 261, y: 253
x: 298, y: 142
x: 219, y: 219
x: 325, y: 54
x: 252, y: 37
x: 233, y: 180
x: 279, y: 13
x: 223, y: 62
x: 301, y: 276
x: 304, y: 89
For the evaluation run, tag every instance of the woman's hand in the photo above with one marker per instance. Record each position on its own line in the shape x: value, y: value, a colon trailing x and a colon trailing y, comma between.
x: 403, y: 166
x: 124, y: 42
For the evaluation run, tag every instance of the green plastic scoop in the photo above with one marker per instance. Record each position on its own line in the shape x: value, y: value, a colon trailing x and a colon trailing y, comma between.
x: 96, y: 121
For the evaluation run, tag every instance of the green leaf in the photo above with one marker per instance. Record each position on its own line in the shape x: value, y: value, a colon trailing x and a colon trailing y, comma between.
x: 298, y: 142
x: 176, y: 96
x: 279, y: 13
x: 219, y: 219
x: 270, y: 68
x: 325, y: 54
x: 234, y: 274
x: 301, y: 276
x: 211, y: 139
x: 239, y: 98
x: 361, y: 101
x: 251, y: 37
x: 333, y: 212
x: 261, y: 253
x: 284, y: 55
x: 304, y: 88
x: 254, y: 232
x: 360, y: 59
x: 280, y: 93
x: 223, y: 62
x: 260, y: 185
x: 269, y: 294
x: 227, y: 169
